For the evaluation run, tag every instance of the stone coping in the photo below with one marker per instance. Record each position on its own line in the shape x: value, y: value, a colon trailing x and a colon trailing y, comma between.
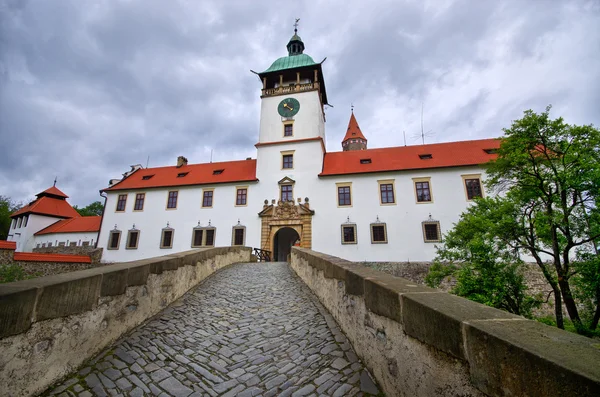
x: 23, y: 303
x: 506, y: 354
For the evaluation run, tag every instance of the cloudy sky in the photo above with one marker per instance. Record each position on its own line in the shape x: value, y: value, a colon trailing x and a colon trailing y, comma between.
x: 89, y: 87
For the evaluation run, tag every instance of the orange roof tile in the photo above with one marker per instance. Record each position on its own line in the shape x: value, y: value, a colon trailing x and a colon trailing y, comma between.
x: 53, y: 191
x: 47, y: 205
x: 195, y: 174
x: 8, y: 245
x: 73, y: 225
x: 35, y: 257
x: 451, y: 154
x: 353, y: 130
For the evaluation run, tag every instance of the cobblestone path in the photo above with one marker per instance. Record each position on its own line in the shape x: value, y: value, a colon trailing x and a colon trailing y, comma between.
x: 248, y: 330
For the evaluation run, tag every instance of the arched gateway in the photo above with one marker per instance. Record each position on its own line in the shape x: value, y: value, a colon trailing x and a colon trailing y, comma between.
x: 283, y: 225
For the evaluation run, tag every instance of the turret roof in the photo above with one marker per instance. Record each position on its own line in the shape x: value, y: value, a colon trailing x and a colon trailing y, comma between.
x: 353, y: 131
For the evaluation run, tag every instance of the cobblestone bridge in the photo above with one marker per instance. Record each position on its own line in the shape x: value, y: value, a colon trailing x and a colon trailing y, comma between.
x: 249, y: 330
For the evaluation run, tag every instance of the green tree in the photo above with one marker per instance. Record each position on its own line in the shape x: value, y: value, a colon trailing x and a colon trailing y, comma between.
x: 488, y: 270
x: 549, y: 175
x: 94, y: 208
x: 7, y: 207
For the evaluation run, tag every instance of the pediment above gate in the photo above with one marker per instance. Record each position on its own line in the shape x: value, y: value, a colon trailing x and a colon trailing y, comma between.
x: 286, y: 180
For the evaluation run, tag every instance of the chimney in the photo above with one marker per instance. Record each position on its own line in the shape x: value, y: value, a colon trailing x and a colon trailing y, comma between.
x: 181, y: 161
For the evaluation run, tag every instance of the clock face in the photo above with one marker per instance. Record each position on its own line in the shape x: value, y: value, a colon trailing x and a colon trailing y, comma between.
x: 288, y: 107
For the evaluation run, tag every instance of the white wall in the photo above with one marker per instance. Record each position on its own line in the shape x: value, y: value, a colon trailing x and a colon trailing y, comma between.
x: 154, y: 217
x: 403, y: 220
x: 67, y: 238
x: 24, y: 235
x: 308, y: 122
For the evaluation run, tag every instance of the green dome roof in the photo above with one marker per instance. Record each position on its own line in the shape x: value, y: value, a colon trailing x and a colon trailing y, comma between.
x: 291, y: 61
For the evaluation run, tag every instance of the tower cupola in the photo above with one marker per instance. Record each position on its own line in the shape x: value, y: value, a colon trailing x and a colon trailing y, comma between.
x: 295, y: 46
x: 354, y: 139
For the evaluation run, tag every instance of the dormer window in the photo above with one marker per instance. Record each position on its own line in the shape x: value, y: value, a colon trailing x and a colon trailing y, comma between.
x: 491, y: 151
x: 182, y: 174
x: 146, y: 177
x: 218, y: 172
x: 425, y: 156
x: 365, y: 161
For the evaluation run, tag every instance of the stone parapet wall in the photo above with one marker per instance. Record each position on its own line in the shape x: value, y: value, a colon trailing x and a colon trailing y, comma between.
x: 6, y: 256
x: 419, y: 341
x: 43, y: 269
x: 95, y: 254
x: 51, y: 325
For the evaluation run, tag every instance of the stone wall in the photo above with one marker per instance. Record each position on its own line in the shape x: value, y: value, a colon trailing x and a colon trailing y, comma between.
x: 95, y: 254
x: 43, y: 269
x: 419, y: 341
x: 51, y: 325
x: 6, y: 256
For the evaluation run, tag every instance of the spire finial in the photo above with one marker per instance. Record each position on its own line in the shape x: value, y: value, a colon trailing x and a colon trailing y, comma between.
x: 352, y: 107
x: 296, y: 25
x: 55, y: 178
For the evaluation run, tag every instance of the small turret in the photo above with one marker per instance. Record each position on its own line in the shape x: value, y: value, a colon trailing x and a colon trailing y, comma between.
x: 354, y: 139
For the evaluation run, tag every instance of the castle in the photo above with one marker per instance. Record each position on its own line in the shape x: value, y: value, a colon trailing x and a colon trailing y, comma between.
x: 385, y: 204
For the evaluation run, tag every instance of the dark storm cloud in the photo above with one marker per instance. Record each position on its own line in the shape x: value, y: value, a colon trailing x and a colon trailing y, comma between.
x: 89, y: 88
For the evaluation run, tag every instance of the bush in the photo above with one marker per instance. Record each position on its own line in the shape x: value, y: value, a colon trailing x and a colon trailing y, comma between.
x: 12, y: 272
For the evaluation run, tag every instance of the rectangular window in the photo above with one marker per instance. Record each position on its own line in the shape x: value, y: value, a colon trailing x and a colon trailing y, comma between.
x: 210, y: 237
x: 387, y: 193
x: 20, y: 222
x: 288, y: 130
x: 172, y: 200
x: 25, y: 219
x: 166, y: 240
x: 50, y: 245
x: 241, y: 196
x: 238, y: 235
x: 288, y: 161
x: 349, y: 234
x: 431, y: 232
x: 132, y: 239
x: 14, y: 223
x: 43, y: 245
x: 423, y: 192
x: 73, y: 244
x: 121, y: 203
x: 378, y: 233
x: 344, y: 196
x: 473, y: 187
x: 114, y: 238
x: 139, y: 201
x: 207, y: 198
x: 287, y: 193
x: 197, y: 237
x: 85, y: 244
x: 61, y: 244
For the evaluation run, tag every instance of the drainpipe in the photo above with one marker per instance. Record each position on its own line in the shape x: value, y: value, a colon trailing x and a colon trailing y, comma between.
x: 101, y: 218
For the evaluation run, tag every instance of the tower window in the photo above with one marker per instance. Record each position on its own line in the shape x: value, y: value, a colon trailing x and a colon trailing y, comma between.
x: 288, y: 161
x: 288, y: 130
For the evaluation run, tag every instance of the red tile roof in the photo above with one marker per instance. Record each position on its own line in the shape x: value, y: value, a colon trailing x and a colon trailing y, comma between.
x: 53, y: 191
x: 8, y: 245
x: 197, y: 174
x: 451, y: 154
x: 353, y: 131
x: 73, y: 225
x: 35, y: 257
x: 47, y: 205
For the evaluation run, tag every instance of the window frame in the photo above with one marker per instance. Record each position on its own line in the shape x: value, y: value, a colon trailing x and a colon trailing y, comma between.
x: 124, y: 203
x: 387, y: 182
x: 20, y: 222
x: 137, y: 240
x: 212, y: 197
x: 169, y: 199
x: 143, y: 194
x: 439, y: 231
x: 337, y: 194
x: 25, y: 219
x: 233, y: 230
x: 110, y: 239
x: 283, y: 156
x: 162, y: 238
x: 204, y: 230
x: 385, y: 235
x: 291, y: 185
x: 467, y: 177
x: 422, y: 180
x: 237, y: 192
x: 348, y: 225
x: 288, y: 123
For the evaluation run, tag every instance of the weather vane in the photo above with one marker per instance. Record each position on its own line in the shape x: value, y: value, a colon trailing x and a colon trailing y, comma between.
x: 55, y: 178
x: 352, y: 107
x: 296, y: 25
